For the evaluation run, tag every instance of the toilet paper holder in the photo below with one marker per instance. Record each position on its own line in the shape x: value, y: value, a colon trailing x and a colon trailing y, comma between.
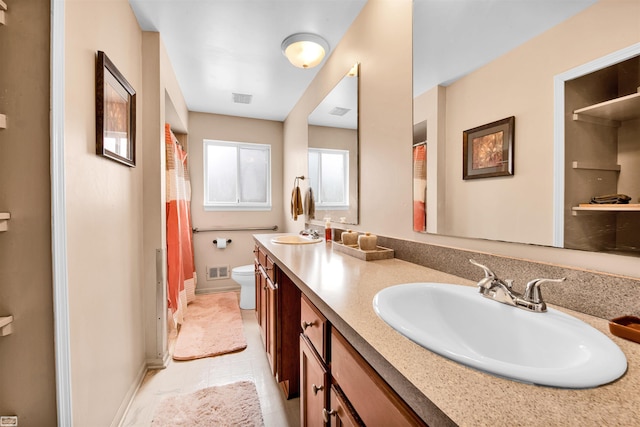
x: 215, y: 241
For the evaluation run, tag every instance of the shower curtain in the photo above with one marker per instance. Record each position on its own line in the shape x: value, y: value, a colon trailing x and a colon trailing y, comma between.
x: 181, y: 277
x: 420, y: 187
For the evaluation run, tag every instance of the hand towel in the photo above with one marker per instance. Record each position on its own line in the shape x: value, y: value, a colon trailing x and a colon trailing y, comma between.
x: 296, y: 203
x: 309, y: 204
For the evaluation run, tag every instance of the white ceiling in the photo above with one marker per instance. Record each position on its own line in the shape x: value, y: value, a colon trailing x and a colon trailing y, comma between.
x: 221, y: 47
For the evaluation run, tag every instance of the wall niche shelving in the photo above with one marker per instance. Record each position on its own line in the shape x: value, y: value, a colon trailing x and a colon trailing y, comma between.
x: 602, y: 152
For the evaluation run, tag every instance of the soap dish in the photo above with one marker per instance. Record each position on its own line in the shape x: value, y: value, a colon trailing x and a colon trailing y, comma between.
x: 627, y: 327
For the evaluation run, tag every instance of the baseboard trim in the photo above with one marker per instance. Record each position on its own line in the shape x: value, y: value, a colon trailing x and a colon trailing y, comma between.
x: 218, y: 289
x: 128, y: 399
x: 159, y: 363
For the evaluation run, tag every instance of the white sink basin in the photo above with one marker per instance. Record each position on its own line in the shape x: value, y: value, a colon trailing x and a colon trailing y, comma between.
x: 295, y: 239
x: 552, y: 348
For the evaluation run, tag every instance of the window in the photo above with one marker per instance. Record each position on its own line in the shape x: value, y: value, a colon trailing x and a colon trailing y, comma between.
x: 237, y: 176
x: 329, y: 178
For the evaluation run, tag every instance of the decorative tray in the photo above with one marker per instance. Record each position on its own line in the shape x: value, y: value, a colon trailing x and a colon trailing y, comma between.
x: 354, y: 251
x: 627, y: 327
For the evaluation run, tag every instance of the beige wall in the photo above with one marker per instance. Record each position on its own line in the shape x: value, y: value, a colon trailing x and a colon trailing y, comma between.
x: 380, y: 39
x: 239, y: 252
x: 27, y: 370
x: 163, y: 102
x: 104, y: 220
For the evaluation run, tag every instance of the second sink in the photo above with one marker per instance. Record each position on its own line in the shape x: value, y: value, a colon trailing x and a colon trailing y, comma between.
x: 295, y: 239
x: 552, y: 348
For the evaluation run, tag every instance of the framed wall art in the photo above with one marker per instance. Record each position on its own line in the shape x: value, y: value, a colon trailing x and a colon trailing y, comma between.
x: 488, y: 150
x: 115, y: 113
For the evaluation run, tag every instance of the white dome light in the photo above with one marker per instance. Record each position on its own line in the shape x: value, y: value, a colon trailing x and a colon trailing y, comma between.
x: 305, y: 50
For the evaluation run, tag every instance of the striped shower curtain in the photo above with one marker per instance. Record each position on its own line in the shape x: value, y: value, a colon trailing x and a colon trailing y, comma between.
x: 180, y: 265
x: 420, y: 187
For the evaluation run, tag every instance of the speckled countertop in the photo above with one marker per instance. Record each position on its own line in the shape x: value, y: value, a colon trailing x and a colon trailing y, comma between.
x: 441, y: 391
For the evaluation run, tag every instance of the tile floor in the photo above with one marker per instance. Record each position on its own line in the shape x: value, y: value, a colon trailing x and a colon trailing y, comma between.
x: 186, y: 377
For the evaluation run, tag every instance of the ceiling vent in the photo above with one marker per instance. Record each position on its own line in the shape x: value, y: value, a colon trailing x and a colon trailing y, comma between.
x: 339, y: 111
x: 242, y: 98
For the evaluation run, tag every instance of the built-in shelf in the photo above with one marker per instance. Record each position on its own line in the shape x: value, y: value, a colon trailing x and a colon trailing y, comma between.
x: 635, y: 207
x: 595, y: 166
x: 3, y: 5
x: 4, y: 221
x: 6, y: 325
x: 612, y: 112
x: 3, y: 121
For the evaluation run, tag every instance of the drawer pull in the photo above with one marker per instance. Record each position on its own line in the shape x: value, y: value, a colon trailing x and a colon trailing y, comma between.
x: 326, y: 414
x: 316, y: 388
x: 305, y: 325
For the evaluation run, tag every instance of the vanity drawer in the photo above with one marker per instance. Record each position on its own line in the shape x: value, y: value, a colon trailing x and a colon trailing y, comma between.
x: 266, y: 263
x: 371, y: 397
x: 314, y: 326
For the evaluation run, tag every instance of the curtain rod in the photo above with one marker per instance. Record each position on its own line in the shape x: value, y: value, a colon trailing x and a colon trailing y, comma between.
x: 201, y: 230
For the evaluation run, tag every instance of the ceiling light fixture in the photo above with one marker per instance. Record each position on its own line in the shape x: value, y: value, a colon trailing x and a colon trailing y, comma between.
x: 305, y: 50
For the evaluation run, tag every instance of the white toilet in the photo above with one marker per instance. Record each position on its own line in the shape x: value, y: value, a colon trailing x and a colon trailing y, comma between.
x: 245, y: 276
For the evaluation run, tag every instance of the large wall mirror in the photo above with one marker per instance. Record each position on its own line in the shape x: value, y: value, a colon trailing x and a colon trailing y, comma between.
x: 333, y: 152
x: 479, y: 62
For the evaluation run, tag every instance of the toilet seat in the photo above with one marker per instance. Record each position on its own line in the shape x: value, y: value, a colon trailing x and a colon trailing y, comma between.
x: 244, y: 270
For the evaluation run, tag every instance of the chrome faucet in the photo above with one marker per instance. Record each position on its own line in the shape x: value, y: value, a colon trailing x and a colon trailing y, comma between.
x: 311, y: 233
x: 502, y: 291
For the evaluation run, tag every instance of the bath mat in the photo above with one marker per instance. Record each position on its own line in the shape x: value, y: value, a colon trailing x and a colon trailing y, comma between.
x: 234, y: 404
x: 212, y: 326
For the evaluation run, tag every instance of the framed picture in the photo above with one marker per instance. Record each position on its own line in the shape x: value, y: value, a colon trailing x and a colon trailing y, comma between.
x: 488, y: 150
x: 115, y: 113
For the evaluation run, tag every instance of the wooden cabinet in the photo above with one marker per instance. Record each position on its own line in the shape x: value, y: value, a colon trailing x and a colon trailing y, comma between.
x: 357, y: 396
x: 314, y: 379
x: 371, y: 397
x: 278, y: 315
x: 314, y: 327
x: 340, y: 414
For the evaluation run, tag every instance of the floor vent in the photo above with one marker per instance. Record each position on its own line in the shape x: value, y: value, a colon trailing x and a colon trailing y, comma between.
x: 218, y: 272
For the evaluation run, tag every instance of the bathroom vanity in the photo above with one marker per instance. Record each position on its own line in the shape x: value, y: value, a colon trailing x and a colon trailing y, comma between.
x: 351, y: 364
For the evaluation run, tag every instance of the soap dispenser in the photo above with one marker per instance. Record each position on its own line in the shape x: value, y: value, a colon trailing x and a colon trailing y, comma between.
x: 327, y: 230
x: 349, y: 238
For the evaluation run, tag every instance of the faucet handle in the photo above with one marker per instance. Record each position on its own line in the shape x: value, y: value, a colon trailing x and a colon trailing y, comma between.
x: 487, y: 272
x: 532, y: 291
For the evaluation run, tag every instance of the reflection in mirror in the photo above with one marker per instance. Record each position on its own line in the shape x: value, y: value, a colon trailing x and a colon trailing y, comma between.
x: 333, y: 152
x: 478, y: 62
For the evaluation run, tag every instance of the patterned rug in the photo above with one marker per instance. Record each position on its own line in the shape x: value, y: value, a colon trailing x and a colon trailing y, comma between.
x: 235, y: 404
x: 212, y: 326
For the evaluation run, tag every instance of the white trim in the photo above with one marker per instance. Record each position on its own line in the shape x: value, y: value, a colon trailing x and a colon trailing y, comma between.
x: 558, y: 129
x: 239, y: 205
x: 123, y: 410
x: 58, y: 221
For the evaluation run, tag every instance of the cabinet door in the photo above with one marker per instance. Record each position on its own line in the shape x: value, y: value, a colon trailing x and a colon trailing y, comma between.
x: 341, y: 413
x: 257, y: 290
x: 271, y: 319
x: 262, y: 312
x: 313, y: 386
